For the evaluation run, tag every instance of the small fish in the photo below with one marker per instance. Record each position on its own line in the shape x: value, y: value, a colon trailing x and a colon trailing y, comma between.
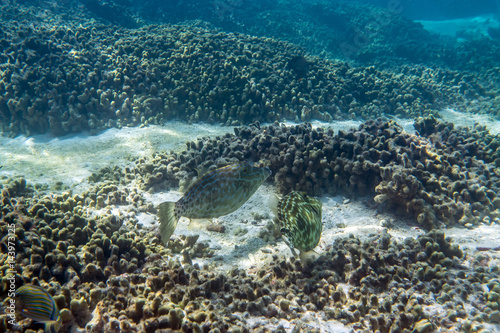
x: 37, y: 304
x: 299, y: 219
x: 217, y: 193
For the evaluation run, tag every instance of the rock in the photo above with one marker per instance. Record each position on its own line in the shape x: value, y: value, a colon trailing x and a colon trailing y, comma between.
x: 494, y: 317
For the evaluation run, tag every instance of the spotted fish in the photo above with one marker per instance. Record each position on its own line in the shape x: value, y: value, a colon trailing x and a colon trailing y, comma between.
x: 299, y: 219
x: 217, y: 193
x: 37, y: 304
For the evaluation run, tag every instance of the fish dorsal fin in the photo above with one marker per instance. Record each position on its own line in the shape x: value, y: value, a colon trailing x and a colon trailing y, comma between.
x: 200, y: 172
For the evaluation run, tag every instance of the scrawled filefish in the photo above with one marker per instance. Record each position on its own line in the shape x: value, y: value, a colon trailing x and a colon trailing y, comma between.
x: 299, y: 219
x: 217, y: 193
x: 37, y: 304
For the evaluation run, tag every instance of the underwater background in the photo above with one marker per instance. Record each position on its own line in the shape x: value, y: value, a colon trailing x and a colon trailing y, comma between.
x: 382, y: 113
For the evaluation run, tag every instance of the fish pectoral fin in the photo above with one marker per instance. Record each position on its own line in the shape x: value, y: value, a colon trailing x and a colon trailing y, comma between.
x: 315, y: 209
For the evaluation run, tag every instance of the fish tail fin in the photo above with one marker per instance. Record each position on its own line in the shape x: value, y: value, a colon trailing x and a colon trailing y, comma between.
x: 309, y: 256
x: 273, y: 204
x: 53, y: 326
x: 168, y: 220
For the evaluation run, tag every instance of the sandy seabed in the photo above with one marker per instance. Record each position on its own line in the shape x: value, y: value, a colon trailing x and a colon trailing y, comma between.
x: 72, y: 159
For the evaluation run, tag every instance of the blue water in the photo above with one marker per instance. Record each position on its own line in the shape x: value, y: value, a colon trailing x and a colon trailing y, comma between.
x: 440, y: 10
x: 339, y: 29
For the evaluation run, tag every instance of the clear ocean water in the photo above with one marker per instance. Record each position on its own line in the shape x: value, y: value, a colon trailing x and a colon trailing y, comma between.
x: 250, y: 166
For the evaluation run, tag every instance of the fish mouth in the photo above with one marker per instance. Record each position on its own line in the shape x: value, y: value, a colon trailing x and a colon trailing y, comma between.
x: 268, y: 171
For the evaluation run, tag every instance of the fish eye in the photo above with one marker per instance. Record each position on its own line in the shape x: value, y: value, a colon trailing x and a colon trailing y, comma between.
x: 246, y: 170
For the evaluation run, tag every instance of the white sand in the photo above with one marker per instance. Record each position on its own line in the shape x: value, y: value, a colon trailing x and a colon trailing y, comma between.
x: 467, y: 119
x: 72, y: 158
x: 472, y: 25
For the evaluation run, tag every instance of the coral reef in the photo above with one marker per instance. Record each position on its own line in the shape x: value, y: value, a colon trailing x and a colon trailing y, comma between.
x: 108, y: 273
x: 91, y: 76
x: 378, y: 35
x: 441, y: 174
x: 111, y: 276
x: 61, y: 71
x: 60, y: 243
